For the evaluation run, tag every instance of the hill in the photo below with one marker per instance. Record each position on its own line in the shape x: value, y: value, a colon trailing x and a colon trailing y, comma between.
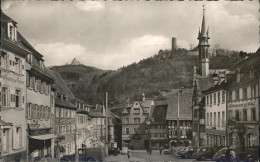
x: 160, y: 73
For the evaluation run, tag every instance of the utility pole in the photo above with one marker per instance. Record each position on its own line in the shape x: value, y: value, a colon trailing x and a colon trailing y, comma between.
x: 75, y: 139
x: 178, y: 115
x: 106, y: 141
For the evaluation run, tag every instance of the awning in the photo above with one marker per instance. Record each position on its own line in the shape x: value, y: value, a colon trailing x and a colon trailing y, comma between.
x: 43, y: 137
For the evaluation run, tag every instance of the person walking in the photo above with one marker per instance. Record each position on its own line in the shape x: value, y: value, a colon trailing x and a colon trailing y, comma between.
x: 160, y: 151
x: 150, y: 151
x: 128, y: 154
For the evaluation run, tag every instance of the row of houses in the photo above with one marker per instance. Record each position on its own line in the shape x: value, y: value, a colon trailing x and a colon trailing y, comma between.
x: 40, y: 116
x: 221, y: 109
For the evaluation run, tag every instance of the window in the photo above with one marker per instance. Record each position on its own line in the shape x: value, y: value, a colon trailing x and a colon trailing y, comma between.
x: 29, y: 107
x: 43, y: 112
x: 4, y: 96
x: 223, y: 97
x: 218, y: 119
x: 19, y: 136
x: 155, y: 134
x: 215, y: 119
x: 134, y: 130
x: 136, y: 110
x: 5, y: 140
x: 253, y: 91
x: 137, y: 120
x: 210, y: 119
x: 237, y: 94
x: 127, y: 120
x: 127, y: 130
x: 223, y: 118
x: 207, y: 100
x: 35, y: 84
x: 17, y: 98
x: 230, y: 95
x: 207, y: 119
x: 12, y: 31
x: 34, y: 111
x: 3, y: 60
x: 237, y: 115
x: 253, y: 114
x: 244, y: 115
x: 214, y: 98
x: 17, y: 65
x: 218, y: 97
x: 244, y: 93
x: 211, y: 99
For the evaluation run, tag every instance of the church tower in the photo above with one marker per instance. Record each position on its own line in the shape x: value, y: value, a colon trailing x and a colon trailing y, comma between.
x: 203, y: 37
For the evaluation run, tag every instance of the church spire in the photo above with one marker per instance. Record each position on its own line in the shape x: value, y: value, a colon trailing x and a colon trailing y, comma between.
x: 203, y: 25
x: 203, y: 47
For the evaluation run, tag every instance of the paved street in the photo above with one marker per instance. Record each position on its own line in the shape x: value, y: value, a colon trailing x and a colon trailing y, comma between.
x: 141, y: 155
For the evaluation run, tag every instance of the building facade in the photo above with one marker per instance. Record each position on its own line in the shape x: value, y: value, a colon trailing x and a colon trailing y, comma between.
x: 181, y: 136
x: 157, y: 127
x: 134, y: 124
x: 243, y: 103
x: 215, y: 115
x: 13, y: 92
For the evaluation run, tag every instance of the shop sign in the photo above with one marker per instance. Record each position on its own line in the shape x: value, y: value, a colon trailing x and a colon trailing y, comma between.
x: 15, y: 80
x: 243, y: 105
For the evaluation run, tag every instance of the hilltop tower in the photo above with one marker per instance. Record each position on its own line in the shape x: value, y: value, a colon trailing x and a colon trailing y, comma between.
x: 203, y: 37
x: 174, y: 43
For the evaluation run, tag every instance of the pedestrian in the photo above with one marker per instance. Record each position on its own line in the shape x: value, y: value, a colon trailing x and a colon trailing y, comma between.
x: 150, y: 151
x: 160, y: 151
x: 128, y: 154
x: 228, y: 154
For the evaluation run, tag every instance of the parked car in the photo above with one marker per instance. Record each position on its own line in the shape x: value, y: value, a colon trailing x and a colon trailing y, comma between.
x: 237, y: 154
x: 187, y: 152
x: 87, y: 154
x: 204, y: 153
x: 178, y: 150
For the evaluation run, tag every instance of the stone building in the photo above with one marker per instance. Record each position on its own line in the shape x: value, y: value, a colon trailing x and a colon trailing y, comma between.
x: 243, y: 103
x: 134, y: 126
x: 183, y: 135
x: 13, y: 92
x: 157, y: 126
x: 215, y: 113
x: 40, y: 131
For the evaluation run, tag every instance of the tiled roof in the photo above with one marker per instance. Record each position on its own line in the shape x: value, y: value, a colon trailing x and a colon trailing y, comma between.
x: 159, y: 113
x: 60, y: 84
x: 185, y: 105
x: 95, y: 114
x: 146, y: 103
x: 217, y: 87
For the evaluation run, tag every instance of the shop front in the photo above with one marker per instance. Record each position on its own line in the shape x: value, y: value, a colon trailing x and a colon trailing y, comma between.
x: 40, y: 144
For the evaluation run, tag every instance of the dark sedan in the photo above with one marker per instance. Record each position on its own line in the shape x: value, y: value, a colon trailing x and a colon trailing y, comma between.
x: 187, y: 152
x: 204, y: 153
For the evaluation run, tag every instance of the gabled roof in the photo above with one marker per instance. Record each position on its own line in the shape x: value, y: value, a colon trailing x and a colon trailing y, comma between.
x: 217, y: 87
x: 159, y: 113
x: 185, y: 106
x: 146, y: 103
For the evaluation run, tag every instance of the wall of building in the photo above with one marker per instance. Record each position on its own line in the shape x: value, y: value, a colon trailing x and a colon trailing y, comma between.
x: 215, y: 118
x: 13, y: 137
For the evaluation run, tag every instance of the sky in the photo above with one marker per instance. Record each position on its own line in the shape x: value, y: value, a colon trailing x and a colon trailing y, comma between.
x: 110, y: 34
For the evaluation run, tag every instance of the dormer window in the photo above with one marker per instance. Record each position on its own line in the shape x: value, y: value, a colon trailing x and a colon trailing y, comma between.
x: 30, y: 58
x: 12, y: 31
x: 61, y: 97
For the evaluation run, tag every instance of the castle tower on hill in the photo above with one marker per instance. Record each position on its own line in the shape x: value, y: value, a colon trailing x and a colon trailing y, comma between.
x: 75, y: 62
x: 203, y: 37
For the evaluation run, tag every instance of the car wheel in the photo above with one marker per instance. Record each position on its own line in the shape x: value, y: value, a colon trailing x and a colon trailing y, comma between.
x: 166, y: 153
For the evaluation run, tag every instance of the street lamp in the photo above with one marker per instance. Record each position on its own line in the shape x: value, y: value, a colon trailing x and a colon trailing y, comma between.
x: 149, y: 133
x: 178, y: 115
